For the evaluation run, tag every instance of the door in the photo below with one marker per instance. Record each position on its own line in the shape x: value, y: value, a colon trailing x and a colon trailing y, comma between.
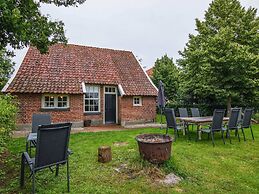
x: 110, y: 108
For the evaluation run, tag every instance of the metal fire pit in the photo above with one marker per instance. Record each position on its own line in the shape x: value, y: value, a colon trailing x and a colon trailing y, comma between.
x: 155, y: 148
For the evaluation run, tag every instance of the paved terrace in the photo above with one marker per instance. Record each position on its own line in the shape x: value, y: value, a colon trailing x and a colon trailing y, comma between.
x: 24, y: 133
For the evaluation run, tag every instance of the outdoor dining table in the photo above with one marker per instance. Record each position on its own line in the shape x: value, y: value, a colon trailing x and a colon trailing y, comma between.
x: 31, y: 137
x: 199, y: 121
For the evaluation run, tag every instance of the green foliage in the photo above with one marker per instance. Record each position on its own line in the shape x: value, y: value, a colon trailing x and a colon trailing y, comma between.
x: 6, y: 68
x: 8, y: 111
x: 166, y: 71
x: 221, y: 62
x: 22, y: 24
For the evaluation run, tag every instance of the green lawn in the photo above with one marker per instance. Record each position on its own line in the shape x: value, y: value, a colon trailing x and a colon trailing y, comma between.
x: 230, y: 168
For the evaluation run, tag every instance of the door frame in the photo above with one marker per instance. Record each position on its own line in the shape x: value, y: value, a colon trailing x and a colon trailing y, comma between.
x: 116, y: 103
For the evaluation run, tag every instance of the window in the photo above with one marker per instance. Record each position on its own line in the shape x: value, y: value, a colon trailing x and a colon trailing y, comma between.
x: 62, y: 101
x: 111, y: 90
x: 137, y: 101
x: 92, y: 99
x: 55, y: 101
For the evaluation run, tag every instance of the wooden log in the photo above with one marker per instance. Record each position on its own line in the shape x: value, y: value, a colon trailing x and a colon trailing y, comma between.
x: 104, y: 154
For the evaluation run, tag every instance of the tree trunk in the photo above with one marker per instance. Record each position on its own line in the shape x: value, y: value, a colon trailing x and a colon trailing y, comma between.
x: 104, y: 154
x: 229, y: 105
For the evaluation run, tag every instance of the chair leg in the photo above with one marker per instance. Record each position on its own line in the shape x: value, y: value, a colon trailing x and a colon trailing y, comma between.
x: 252, y: 133
x: 228, y: 132
x: 243, y: 134
x: 238, y: 135
x: 22, y: 171
x: 175, y: 135
x: 222, y: 135
x: 208, y: 136
x: 68, y: 185
x: 212, y: 138
x: 188, y: 133
x: 57, y: 169
x: 197, y: 135
x: 33, y: 182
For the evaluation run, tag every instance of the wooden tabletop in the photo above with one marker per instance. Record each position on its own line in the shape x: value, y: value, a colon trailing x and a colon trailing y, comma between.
x: 198, y: 120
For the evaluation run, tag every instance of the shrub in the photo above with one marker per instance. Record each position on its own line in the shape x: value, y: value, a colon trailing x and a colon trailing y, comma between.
x: 256, y: 117
x: 8, y: 112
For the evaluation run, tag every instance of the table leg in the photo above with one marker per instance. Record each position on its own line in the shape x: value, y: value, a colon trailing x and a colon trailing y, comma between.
x: 199, y: 132
x: 184, y: 124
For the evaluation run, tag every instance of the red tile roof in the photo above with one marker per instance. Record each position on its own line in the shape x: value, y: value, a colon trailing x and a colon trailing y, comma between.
x: 150, y: 72
x: 65, y: 67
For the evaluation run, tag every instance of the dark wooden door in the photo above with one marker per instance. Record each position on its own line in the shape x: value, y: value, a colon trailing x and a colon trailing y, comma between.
x: 110, y: 108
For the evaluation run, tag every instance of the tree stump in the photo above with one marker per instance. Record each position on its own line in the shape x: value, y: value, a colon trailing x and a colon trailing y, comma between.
x: 104, y: 154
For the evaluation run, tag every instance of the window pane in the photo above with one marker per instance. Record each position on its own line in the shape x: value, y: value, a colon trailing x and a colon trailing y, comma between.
x: 92, y: 98
x: 96, y: 89
x: 96, y: 102
x: 95, y: 95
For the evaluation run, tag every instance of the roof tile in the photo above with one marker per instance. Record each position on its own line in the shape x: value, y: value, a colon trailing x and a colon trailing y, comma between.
x: 65, y: 67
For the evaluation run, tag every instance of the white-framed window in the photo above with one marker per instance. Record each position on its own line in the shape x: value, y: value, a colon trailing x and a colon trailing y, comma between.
x: 137, y: 101
x: 55, y: 101
x: 92, y: 99
x: 110, y: 90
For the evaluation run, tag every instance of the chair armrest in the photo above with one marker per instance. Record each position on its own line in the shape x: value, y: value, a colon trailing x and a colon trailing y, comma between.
x: 28, y: 158
x: 69, y: 152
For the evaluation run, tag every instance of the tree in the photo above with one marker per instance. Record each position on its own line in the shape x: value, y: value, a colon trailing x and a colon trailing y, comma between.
x: 23, y: 24
x: 6, y: 68
x: 221, y: 62
x: 166, y: 71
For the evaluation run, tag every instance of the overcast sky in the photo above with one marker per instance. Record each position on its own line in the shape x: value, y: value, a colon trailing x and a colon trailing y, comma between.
x: 148, y: 28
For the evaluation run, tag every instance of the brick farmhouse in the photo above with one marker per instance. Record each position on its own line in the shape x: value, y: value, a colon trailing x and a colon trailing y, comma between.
x: 82, y: 84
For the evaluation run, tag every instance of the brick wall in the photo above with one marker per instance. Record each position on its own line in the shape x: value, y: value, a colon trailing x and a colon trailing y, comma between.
x: 137, y: 114
x: 31, y: 103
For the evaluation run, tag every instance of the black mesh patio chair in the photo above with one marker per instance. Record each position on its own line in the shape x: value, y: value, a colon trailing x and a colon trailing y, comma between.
x: 171, y: 122
x: 246, y: 122
x: 51, y: 150
x: 184, y: 113
x: 233, y: 122
x: 195, y: 112
x: 40, y: 119
x: 37, y: 119
x: 216, y: 125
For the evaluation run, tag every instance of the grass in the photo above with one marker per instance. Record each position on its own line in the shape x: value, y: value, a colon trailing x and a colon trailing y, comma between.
x: 158, y: 119
x: 230, y: 168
